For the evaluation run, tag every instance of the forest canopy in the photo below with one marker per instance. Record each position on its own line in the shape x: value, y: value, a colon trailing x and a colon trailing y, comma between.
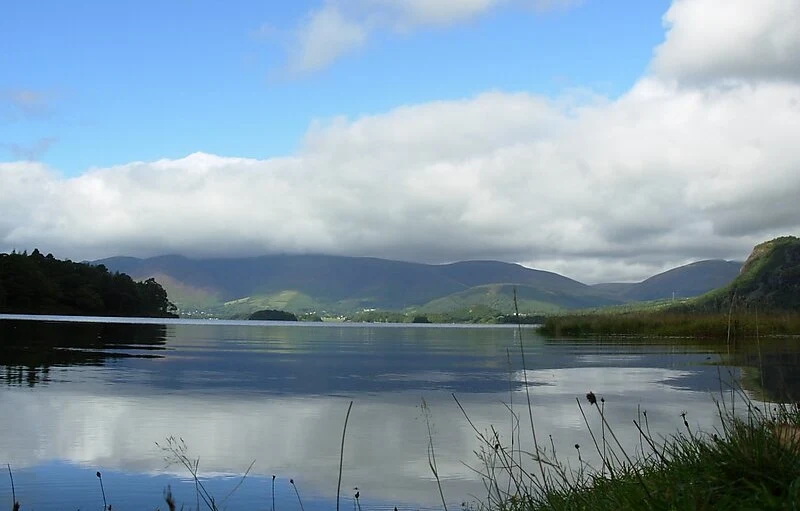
x: 38, y: 284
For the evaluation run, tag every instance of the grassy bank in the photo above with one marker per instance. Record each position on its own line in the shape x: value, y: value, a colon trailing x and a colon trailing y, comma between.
x: 751, y: 462
x: 673, y: 324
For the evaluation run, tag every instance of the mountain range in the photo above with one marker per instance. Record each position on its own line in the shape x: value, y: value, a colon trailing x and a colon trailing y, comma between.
x: 343, y: 285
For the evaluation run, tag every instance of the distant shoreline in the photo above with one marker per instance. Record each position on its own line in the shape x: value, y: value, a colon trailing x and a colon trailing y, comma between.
x: 243, y: 322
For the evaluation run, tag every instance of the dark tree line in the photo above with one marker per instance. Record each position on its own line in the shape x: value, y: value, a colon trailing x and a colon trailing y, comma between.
x: 38, y: 284
x: 272, y: 315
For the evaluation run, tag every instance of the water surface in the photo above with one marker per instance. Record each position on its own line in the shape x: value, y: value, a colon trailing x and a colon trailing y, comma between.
x: 82, y: 396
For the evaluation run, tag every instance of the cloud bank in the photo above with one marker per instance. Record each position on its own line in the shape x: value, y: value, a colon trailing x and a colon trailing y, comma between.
x: 698, y: 160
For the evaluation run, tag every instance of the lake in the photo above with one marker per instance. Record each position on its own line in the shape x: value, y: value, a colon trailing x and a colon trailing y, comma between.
x: 80, y: 395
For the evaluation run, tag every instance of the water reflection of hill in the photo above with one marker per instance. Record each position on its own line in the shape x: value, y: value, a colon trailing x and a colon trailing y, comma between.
x: 29, y: 349
x: 770, y: 370
x: 774, y: 372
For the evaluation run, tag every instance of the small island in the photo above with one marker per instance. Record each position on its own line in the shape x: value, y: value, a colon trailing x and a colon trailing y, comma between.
x: 272, y: 315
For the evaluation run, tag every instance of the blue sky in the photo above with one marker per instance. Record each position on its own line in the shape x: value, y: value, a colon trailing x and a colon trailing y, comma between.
x: 604, y: 140
x: 121, y: 82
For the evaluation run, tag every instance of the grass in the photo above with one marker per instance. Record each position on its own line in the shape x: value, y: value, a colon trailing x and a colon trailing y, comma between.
x: 673, y: 324
x: 752, y: 462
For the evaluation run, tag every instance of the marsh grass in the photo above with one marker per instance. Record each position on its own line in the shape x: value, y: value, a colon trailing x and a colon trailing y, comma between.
x: 746, y: 466
x: 673, y: 324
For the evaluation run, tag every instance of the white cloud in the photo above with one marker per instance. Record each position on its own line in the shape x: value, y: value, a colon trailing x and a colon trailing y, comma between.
x: 432, y: 12
x: 593, y: 188
x: 339, y: 27
x: 709, y: 40
x: 325, y: 36
x: 660, y: 176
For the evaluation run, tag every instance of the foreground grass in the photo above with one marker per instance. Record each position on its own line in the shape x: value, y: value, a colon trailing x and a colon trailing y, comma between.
x: 673, y: 324
x: 755, y: 464
x: 752, y: 462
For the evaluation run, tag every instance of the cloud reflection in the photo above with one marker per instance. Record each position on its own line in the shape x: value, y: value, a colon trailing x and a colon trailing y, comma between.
x: 299, y: 437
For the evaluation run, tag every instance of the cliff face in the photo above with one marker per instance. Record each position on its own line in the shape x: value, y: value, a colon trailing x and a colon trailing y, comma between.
x: 768, y: 280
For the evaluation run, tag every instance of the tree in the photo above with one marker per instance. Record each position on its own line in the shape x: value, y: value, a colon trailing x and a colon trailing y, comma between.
x: 35, y: 284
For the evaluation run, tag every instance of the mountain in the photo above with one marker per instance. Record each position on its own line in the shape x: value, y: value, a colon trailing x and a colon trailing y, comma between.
x: 682, y: 282
x: 768, y: 280
x: 342, y: 285
x: 301, y: 283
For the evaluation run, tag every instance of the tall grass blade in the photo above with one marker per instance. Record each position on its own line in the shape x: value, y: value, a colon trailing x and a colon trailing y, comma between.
x: 14, y: 503
x: 291, y: 481
x: 527, y: 389
x: 241, y: 480
x: 341, y: 455
x: 432, y: 453
x: 105, y: 502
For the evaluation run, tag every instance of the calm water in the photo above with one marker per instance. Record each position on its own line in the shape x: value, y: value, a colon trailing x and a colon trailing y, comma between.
x: 77, y: 397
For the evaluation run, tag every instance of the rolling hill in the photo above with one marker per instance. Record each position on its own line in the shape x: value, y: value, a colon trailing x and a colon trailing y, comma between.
x: 342, y: 285
x: 768, y: 280
x: 682, y: 282
x: 303, y: 283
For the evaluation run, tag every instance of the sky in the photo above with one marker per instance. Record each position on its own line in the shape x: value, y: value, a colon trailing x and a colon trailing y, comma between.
x: 604, y: 140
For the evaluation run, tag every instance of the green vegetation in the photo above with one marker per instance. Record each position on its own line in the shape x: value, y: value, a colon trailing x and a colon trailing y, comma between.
x: 764, y: 299
x: 272, y: 315
x: 769, y: 280
x: 673, y: 324
x: 473, y: 315
x: 530, y: 299
x: 38, y: 284
x: 292, y: 301
x: 751, y: 462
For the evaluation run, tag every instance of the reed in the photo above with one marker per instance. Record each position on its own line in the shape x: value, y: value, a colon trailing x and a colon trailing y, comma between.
x: 674, y: 324
x: 14, y: 501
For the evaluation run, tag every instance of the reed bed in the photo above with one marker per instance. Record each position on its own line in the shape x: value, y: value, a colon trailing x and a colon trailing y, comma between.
x: 673, y: 324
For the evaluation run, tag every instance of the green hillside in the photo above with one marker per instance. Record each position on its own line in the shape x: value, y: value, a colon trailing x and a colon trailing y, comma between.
x: 768, y: 280
x: 344, y: 285
x: 339, y: 285
x: 530, y: 299
x: 282, y: 300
